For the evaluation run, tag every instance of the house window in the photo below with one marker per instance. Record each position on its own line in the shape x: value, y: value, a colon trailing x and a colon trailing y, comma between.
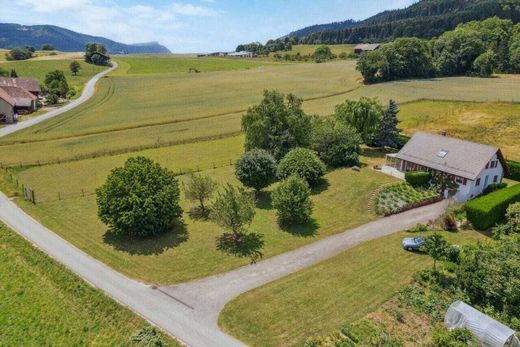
x: 478, y: 182
x: 487, y: 166
x: 495, y: 179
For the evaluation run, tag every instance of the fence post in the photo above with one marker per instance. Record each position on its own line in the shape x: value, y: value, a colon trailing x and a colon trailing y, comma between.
x: 33, y: 197
x: 59, y: 196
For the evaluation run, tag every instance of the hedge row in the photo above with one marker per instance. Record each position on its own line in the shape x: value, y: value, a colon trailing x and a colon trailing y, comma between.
x: 514, y: 170
x: 417, y: 178
x: 488, y: 210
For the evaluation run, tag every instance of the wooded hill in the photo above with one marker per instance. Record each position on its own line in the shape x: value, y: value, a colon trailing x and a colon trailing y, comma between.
x: 16, y: 35
x: 425, y: 19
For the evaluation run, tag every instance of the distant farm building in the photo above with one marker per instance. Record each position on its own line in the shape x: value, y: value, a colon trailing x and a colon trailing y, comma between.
x: 242, y: 54
x: 17, y: 96
x: 366, y: 47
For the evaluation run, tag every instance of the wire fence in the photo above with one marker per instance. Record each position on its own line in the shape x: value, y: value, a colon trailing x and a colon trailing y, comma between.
x: 108, y: 153
x: 38, y: 196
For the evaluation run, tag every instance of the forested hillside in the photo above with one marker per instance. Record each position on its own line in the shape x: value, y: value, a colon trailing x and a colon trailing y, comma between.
x: 425, y: 19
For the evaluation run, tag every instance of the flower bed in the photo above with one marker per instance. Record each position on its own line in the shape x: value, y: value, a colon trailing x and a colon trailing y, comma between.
x: 401, y: 197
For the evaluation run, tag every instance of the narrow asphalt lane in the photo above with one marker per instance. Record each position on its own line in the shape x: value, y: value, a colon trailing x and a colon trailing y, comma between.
x: 87, y: 93
x: 209, y: 295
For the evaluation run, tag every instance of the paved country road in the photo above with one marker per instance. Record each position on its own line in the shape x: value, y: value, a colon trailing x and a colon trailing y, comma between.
x: 190, y: 311
x: 87, y: 93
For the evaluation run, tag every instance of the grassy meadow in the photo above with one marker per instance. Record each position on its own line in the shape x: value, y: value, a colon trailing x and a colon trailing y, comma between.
x: 319, y: 300
x: 44, y: 304
x: 39, y: 68
x: 189, y: 252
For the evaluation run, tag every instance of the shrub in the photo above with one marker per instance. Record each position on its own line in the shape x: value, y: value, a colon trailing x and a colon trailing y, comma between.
x: 486, y: 211
x: 494, y: 187
x: 457, y: 337
x: 292, y: 201
x: 419, y: 228
x: 417, y: 178
x: 514, y: 170
x: 139, y: 199
x: 304, y: 163
x: 449, y: 223
x: 256, y: 169
x: 147, y: 337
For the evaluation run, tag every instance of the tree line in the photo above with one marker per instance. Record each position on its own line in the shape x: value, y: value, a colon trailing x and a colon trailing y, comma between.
x: 278, y: 45
x: 478, y: 48
x: 426, y: 19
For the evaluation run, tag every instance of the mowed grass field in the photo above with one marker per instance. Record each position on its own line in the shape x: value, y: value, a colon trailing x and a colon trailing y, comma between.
x: 319, y: 300
x: 39, y: 68
x: 189, y: 251
x: 44, y: 304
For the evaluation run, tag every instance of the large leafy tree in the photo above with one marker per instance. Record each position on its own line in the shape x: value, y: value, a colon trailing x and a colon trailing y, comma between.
x: 387, y: 134
x: 277, y: 124
x: 455, y: 51
x: 139, y: 199
x: 335, y: 143
x: 363, y: 115
x: 56, y: 83
x: 256, y: 169
x: 292, y: 201
x: 490, y: 275
x: 408, y: 58
x: 304, y: 163
x: 374, y: 67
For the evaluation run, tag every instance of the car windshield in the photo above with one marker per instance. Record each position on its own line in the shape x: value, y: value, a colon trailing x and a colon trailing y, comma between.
x: 418, y: 240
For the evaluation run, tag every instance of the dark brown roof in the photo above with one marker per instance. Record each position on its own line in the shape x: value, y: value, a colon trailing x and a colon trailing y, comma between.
x: 26, y: 83
x: 7, y: 98
x: 456, y: 157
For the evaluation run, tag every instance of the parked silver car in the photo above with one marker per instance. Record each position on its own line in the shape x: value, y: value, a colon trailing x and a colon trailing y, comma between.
x: 413, y: 243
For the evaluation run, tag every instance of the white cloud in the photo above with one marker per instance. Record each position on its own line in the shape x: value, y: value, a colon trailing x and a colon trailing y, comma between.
x: 193, y: 10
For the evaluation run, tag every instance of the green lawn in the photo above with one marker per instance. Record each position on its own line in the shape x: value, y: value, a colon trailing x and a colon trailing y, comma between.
x: 189, y: 251
x: 318, y: 300
x: 44, y: 304
x: 39, y: 68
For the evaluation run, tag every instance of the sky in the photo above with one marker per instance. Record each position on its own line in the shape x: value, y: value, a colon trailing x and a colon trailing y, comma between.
x: 190, y: 26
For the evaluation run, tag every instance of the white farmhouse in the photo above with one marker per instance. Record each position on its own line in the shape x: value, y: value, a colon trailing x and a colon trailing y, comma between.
x: 472, y: 166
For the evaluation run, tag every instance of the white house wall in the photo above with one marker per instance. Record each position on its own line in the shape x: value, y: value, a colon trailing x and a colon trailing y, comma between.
x: 471, y: 190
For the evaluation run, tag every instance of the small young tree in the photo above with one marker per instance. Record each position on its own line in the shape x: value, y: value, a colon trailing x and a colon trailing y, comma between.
x: 387, y: 134
x: 304, y: 163
x: 199, y: 188
x: 13, y: 73
x: 74, y: 67
x: 256, y: 169
x: 233, y: 210
x: 139, y: 199
x: 435, y: 246
x: 292, y: 201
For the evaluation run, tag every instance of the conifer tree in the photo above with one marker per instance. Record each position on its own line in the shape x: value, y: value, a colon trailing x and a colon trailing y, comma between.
x: 388, y: 133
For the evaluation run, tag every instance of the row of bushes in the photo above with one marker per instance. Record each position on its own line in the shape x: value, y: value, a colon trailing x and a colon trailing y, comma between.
x: 417, y: 178
x: 486, y: 211
x: 514, y: 170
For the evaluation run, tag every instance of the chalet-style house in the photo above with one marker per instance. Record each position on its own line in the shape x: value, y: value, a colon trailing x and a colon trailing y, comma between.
x: 366, y: 47
x: 17, y: 96
x: 472, y: 166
